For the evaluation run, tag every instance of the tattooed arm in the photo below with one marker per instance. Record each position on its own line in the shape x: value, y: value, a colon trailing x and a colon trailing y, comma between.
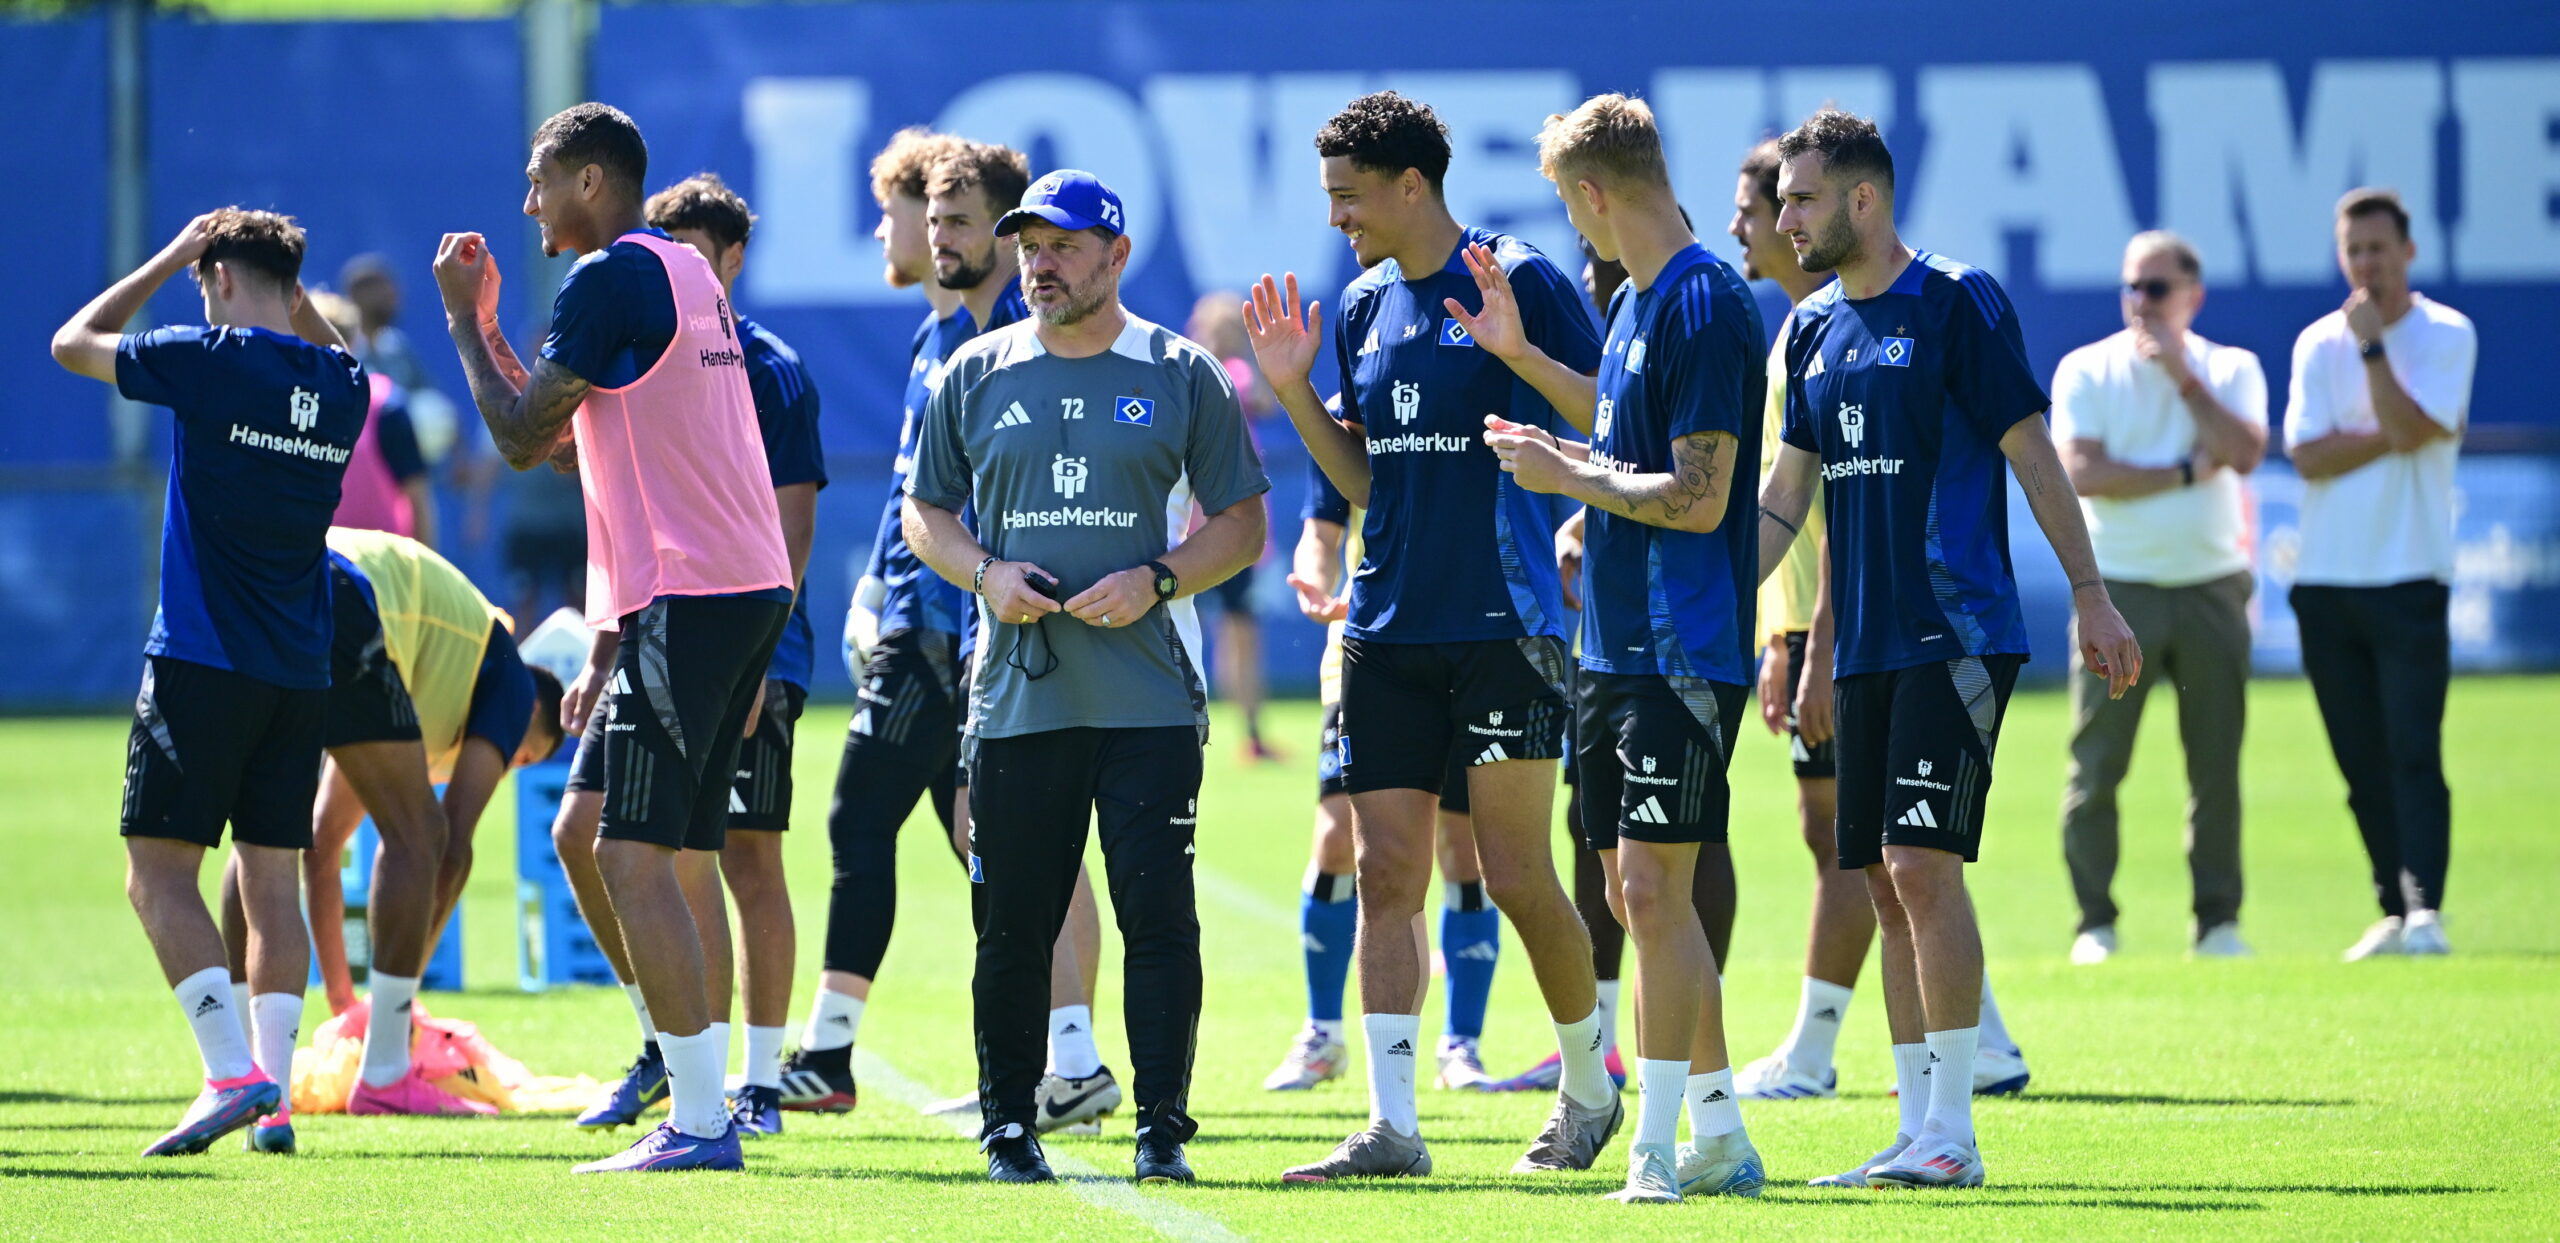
x: 2107, y: 645
x: 528, y: 415
x: 1690, y: 497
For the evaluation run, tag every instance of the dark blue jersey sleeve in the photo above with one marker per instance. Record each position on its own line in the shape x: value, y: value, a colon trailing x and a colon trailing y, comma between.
x: 787, y: 412
x: 397, y: 437
x: 1987, y: 371
x: 1699, y: 365
x: 1554, y: 313
x: 1346, y: 401
x: 1795, y: 425
x: 160, y: 366
x: 1325, y: 502
x: 614, y: 316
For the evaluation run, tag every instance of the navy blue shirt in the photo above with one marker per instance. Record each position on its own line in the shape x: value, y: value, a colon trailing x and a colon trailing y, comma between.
x: 916, y: 597
x: 1685, y: 355
x: 1325, y: 502
x: 787, y: 413
x: 266, y: 424
x: 1454, y: 551
x: 397, y: 437
x: 1905, y: 397
x: 614, y: 316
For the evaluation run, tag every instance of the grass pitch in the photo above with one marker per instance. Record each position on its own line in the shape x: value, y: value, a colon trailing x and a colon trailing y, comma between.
x: 2286, y: 1096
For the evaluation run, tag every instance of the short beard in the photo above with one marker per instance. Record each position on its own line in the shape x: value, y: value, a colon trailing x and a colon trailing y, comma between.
x: 1078, y: 305
x: 1838, y: 244
x: 969, y: 275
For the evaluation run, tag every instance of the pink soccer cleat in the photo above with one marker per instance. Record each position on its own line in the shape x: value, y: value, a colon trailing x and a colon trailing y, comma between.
x: 413, y: 1096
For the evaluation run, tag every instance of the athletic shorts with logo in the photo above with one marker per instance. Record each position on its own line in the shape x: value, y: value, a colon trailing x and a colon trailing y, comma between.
x: 667, y: 727
x: 1406, y: 706
x: 1656, y: 749
x: 368, y: 701
x: 1915, y: 748
x: 1453, y: 783
x: 1814, y: 761
x: 210, y: 747
x: 761, y: 796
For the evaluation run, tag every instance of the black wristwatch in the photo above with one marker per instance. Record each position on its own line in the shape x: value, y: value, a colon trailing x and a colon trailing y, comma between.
x: 2187, y: 472
x: 1167, y: 585
x: 2369, y: 350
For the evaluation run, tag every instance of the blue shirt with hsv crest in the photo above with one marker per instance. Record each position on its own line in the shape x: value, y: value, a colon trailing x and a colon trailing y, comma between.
x: 1905, y: 396
x: 1685, y: 356
x: 1454, y: 550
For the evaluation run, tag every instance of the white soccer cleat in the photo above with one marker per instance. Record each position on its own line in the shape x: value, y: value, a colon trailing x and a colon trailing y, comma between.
x: 1858, y: 1177
x: 1315, y: 1058
x: 1065, y: 1104
x: 2384, y: 937
x: 1649, y: 1177
x: 2221, y: 941
x: 2423, y: 933
x: 1999, y: 1072
x: 1726, y: 1165
x: 1931, y: 1161
x: 2094, y: 946
x: 1462, y: 1066
x: 1774, y: 1078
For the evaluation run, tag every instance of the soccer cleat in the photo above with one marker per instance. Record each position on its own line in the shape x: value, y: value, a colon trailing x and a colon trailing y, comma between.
x: 218, y: 1111
x: 643, y: 1085
x: 1461, y: 1066
x: 1546, y: 1075
x: 667, y: 1148
x: 756, y: 1110
x: 820, y: 1082
x: 1931, y: 1161
x: 1014, y: 1156
x: 2423, y: 933
x: 1315, y: 1058
x: 1774, y: 1078
x: 1065, y: 1102
x: 2093, y: 946
x: 1858, y: 1176
x: 1726, y: 1165
x: 1999, y: 1072
x: 2220, y: 941
x: 1573, y: 1136
x: 1649, y: 1178
x: 1377, y: 1152
x: 2384, y: 937
x: 412, y: 1096
x: 1160, y: 1160
x: 270, y: 1134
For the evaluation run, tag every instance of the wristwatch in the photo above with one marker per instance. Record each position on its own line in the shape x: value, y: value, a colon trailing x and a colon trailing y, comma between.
x: 2187, y: 472
x: 1167, y: 585
x: 2369, y: 350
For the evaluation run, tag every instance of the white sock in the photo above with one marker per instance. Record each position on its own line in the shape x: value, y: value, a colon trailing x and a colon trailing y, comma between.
x: 1608, y: 1016
x: 240, y: 1002
x: 1911, y: 1086
x: 386, y: 1029
x: 1951, y: 1082
x: 696, y: 1066
x: 1393, y: 1041
x: 1816, y: 1034
x: 640, y: 1007
x: 205, y: 998
x: 1586, y: 1079
x: 834, y: 1021
x: 1071, y: 1051
x: 1331, y: 1028
x: 1661, y: 1084
x: 1995, y: 1034
x: 764, y: 1056
x: 278, y: 1023
x: 1713, y: 1111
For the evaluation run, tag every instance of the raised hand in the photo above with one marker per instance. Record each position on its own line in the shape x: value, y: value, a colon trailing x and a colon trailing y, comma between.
x: 1497, y: 328
x: 1284, y: 341
x: 467, y: 275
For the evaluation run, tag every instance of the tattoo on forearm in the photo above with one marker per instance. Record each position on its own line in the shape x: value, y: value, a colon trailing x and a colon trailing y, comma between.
x: 1667, y: 500
x: 1772, y: 515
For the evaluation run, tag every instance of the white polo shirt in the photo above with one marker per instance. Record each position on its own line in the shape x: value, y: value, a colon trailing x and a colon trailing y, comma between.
x: 2186, y: 535
x: 2391, y: 519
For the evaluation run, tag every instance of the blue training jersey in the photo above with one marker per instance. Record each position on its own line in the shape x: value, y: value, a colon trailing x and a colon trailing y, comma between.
x: 614, y: 316
x: 1454, y: 551
x: 266, y: 424
x: 915, y: 597
x: 787, y: 414
x: 1686, y: 355
x: 1905, y: 396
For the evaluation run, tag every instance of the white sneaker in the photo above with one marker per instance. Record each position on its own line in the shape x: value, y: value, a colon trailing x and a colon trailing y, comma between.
x: 1649, y: 1178
x: 2221, y: 941
x: 2094, y: 946
x: 1727, y: 1165
x: 1315, y: 1058
x: 2384, y: 937
x: 1858, y: 1177
x: 1462, y: 1066
x: 1933, y: 1160
x: 1774, y: 1078
x: 2423, y: 933
x: 1999, y: 1072
x: 1065, y: 1104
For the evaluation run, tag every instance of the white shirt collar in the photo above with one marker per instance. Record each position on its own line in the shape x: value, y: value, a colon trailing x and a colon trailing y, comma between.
x: 1135, y: 335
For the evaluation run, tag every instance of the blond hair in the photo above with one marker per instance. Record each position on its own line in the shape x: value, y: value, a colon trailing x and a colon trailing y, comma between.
x: 1610, y: 139
x: 903, y: 165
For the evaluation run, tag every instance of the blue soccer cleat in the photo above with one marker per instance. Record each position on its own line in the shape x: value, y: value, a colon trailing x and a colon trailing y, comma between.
x: 218, y: 1111
x: 667, y: 1148
x: 756, y: 1111
x: 643, y: 1085
x: 272, y: 1134
x: 1999, y: 1072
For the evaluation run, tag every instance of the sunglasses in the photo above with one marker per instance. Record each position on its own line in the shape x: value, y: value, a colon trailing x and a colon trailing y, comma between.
x: 2151, y: 290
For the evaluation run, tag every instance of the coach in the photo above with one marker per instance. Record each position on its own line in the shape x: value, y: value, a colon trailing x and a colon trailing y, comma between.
x: 2157, y: 426
x: 1078, y: 432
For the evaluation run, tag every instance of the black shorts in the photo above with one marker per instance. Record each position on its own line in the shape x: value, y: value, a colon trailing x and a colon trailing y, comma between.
x: 1453, y: 783
x: 367, y: 700
x: 1236, y: 594
x: 1811, y: 762
x: 210, y: 747
x: 684, y: 680
x: 762, y: 799
x: 1406, y: 706
x: 502, y: 697
x: 586, y: 764
x: 1653, y: 751
x: 1915, y: 755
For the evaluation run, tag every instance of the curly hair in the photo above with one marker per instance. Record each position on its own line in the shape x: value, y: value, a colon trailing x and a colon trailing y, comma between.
x: 704, y: 202
x: 996, y: 170
x: 1384, y: 132
x: 598, y: 134
x: 261, y: 241
x: 902, y: 166
x: 1850, y: 147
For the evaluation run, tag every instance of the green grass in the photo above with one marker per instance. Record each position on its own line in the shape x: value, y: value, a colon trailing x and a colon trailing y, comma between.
x: 2289, y: 1095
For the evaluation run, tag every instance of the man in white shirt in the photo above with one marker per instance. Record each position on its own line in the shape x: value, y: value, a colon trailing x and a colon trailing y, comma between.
x: 2380, y: 397
x: 2157, y: 426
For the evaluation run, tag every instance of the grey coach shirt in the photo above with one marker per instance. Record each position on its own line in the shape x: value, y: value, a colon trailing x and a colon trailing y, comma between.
x: 1075, y: 464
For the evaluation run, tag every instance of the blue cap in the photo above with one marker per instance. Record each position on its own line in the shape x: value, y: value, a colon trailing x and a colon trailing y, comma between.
x: 1070, y: 199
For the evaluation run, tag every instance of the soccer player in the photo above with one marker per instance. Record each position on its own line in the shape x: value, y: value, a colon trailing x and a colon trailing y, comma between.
x: 642, y: 380
x: 1666, y: 599
x: 1907, y: 386
x: 1456, y: 630
x: 235, y: 679
x: 1074, y: 432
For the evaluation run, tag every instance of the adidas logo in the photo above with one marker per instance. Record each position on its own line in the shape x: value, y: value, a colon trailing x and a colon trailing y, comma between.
x: 1481, y: 951
x: 1069, y: 1030
x: 1717, y: 1095
x: 621, y: 684
x: 737, y: 805
x: 207, y: 1006
x: 1401, y: 1048
x: 1313, y: 945
x: 1828, y: 1014
x: 1650, y: 812
x: 1815, y: 367
x: 1370, y: 346
x: 1802, y: 756
x: 1595, y: 1042
x: 1013, y: 416
x: 1919, y: 817
x: 1493, y: 755
x: 403, y: 1007
x: 841, y: 1020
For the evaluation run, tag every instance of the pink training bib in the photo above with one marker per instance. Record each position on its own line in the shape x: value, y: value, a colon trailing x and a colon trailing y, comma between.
x: 679, y: 500
x: 369, y: 498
